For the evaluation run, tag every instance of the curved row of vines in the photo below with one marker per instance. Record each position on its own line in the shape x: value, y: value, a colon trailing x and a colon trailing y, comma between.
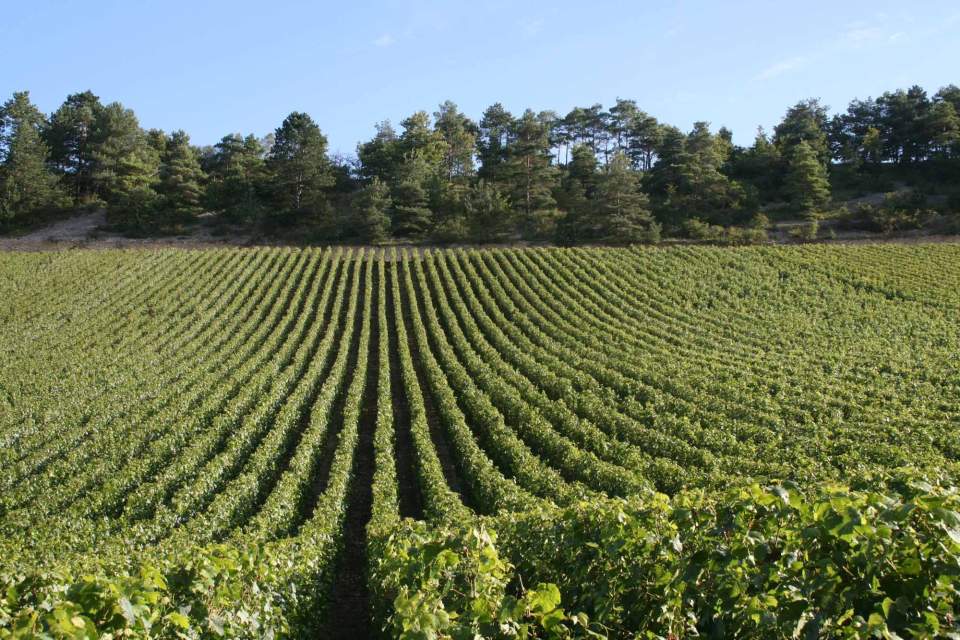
x: 658, y: 443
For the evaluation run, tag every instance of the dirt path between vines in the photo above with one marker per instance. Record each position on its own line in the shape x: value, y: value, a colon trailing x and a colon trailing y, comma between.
x: 349, y: 613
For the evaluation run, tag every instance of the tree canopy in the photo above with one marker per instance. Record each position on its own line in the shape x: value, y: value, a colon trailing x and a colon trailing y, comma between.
x: 594, y: 174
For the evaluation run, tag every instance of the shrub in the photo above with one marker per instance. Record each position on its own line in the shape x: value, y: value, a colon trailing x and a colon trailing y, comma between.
x: 806, y: 232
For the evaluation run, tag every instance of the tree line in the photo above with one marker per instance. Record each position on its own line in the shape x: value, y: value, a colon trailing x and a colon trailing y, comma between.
x: 612, y: 175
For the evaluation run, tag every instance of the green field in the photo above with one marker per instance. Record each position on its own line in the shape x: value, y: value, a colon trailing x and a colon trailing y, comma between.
x: 757, y: 442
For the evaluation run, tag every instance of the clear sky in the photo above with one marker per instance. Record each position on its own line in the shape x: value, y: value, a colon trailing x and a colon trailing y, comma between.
x: 214, y: 67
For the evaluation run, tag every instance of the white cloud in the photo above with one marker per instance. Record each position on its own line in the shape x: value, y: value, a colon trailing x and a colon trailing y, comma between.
x: 782, y: 67
x: 384, y: 41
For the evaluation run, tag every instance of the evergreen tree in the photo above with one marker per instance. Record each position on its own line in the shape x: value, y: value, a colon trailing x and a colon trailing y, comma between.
x: 27, y: 186
x: 380, y: 156
x: 420, y: 138
x: 126, y: 167
x: 806, y: 121
x: 237, y: 174
x: 493, y: 142
x: 460, y: 135
x: 412, y: 215
x: 689, y: 181
x: 530, y: 174
x: 575, y: 198
x: 943, y: 126
x: 758, y: 166
x: 623, y: 117
x: 902, y: 119
x: 158, y: 140
x: 70, y: 136
x: 488, y: 212
x: 300, y: 167
x: 643, y: 138
x: 872, y: 146
x: 807, y: 184
x: 371, y: 207
x: 622, y: 209
x: 181, y: 179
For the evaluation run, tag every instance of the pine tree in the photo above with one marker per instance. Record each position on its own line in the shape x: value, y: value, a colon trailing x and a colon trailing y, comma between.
x: 27, y: 186
x: 460, y: 135
x: 872, y: 146
x: 126, y: 167
x: 578, y: 223
x: 371, y: 212
x: 531, y: 176
x: 622, y: 209
x: 181, y: 179
x: 380, y: 157
x: 943, y: 126
x: 237, y: 173
x: 420, y: 138
x: 806, y: 121
x: 807, y: 184
x: 412, y: 215
x: 493, y: 142
x: 688, y: 178
x: 487, y: 212
x: 70, y: 136
x: 301, y: 169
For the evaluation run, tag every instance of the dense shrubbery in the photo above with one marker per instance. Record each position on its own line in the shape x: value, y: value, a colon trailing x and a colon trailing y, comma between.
x: 757, y: 561
x: 898, y: 211
x: 697, y: 229
x: 753, y: 562
x: 222, y: 591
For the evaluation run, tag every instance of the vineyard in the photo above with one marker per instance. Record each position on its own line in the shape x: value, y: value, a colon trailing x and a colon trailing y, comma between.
x: 347, y: 443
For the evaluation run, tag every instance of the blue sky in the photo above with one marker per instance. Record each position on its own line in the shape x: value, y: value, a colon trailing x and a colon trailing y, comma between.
x: 213, y: 67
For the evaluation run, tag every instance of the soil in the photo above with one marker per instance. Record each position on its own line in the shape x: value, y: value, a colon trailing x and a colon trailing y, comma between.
x: 90, y: 231
x: 349, y: 612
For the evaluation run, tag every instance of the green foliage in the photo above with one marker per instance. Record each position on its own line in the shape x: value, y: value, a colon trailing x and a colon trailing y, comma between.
x: 621, y: 208
x: 126, y: 168
x: 495, y: 134
x: 806, y: 232
x: 529, y: 174
x: 222, y: 591
x: 807, y: 185
x: 70, y: 135
x: 428, y: 144
x: 547, y: 167
x: 452, y: 583
x: 181, y: 180
x: 237, y: 173
x: 460, y: 135
x: 805, y: 122
x: 487, y: 212
x: 543, y: 397
x: 380, y: 156
x: 688, y: 180
x: 754, y: 233
x: 412, y: 216
x: 755, y: 562
x: 371, y: 212
x: 300, y: 169
x: 27, y: 188
x: 897, y: 211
